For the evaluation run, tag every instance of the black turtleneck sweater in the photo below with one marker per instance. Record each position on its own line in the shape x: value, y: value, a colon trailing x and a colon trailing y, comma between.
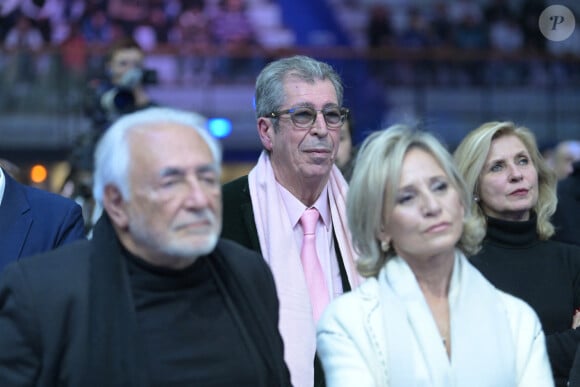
x: 190, y: 335
x: 545, y: 274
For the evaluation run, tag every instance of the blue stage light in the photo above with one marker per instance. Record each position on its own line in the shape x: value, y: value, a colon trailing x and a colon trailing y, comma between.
x: 219, y: 127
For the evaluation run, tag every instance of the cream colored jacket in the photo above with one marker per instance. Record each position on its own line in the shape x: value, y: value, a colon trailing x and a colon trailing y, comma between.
x: 352, y: 342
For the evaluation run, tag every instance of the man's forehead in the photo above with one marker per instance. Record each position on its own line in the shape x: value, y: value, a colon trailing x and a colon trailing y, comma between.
x: 296, y: 88
x: 169, y: 140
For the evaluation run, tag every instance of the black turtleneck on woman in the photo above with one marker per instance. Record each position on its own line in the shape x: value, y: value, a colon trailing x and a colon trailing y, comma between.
x: 545, y: 274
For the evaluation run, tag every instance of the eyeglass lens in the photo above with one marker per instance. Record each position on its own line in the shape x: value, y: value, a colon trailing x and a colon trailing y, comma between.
x: 307, y: 116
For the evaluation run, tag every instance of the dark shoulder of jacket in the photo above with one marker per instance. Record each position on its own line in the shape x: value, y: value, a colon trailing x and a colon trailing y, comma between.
x: 237, y: 255
x: 244, y: 262
x: 236, y: 187
x: 63, y: 267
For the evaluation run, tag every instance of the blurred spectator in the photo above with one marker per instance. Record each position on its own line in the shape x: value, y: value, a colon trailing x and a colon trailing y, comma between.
x: 234, y: 36
x: 153, y: 30
x: 346, y: 150
x: 462, y: 10
x: 497, y: 10
x: 22, y: 42
x: 565, y: 154
x: 415, y: 37
x: 127, y: 13
x: 441, y: 40
x: 192, y: 37
x: 566, y: 218
x: 505, y: 35
x: 506, y: 39
x: 73, y: 51
x: 470, y: 35
x: 380, y: 36
x: 122, y: 90
x: 380, y: 30
x: 440, y: 26
x: 530, y: 14
x: 12, y: 169
x: 416, y: 34
x: 96, y: 26
x: 79, y: 182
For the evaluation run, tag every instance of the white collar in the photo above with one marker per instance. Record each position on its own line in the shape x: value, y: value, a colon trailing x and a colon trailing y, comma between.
x: 2, y: 185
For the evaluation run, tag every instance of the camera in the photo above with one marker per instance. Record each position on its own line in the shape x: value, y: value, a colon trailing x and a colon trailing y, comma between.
x: 120, y: 99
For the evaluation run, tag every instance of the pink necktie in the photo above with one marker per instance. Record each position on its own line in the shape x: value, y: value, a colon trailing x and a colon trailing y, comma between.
x: 315, y: 281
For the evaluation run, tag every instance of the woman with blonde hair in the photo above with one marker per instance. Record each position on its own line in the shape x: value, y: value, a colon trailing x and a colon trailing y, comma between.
x: 513, y: 196
x: 424, y: 316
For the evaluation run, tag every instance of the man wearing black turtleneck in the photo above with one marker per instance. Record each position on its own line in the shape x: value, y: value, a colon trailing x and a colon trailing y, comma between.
x: 155, y: 298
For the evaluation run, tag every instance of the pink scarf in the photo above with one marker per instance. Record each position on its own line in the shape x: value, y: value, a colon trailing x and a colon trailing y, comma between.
x: 279, y: 249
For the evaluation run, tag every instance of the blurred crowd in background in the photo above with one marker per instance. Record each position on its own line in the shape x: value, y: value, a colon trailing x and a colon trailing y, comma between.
x: 493, y: 40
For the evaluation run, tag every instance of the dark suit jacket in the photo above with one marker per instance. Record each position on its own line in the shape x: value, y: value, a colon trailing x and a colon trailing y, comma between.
x: 67, y: 317
x: 33, y: 221
x: 239, y: 225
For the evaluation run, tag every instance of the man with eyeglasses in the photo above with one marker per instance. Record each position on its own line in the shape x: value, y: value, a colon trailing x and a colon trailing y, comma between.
x: 299, y: 116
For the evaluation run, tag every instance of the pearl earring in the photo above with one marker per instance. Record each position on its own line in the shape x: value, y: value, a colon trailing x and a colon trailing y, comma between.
x: 384, y: 246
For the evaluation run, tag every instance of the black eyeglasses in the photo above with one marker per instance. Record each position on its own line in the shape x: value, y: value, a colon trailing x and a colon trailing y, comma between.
x: 304, y: 117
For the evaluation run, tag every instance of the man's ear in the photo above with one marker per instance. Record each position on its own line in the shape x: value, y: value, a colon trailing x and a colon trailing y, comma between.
x: 265, y: 131
x: 114, y: 204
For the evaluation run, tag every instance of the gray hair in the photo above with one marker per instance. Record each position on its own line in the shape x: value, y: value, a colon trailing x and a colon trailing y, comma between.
x: 373, y: 191
x: 112, y: 154
x: 471, y: 155
x: 270, y: 95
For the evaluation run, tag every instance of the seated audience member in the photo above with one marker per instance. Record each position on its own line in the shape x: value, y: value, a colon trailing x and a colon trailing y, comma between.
x: 567, y: 216
x: 413, y: 322
x: 33, y: 220
x: 299, y: 116
x: 155, y: 298
x: 513, y: 196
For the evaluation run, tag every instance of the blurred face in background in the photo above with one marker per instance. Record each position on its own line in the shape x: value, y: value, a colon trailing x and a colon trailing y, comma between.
x: 566, y: 154
x: 508, y: 183
x: 123, y: 61
x: 345, y: 146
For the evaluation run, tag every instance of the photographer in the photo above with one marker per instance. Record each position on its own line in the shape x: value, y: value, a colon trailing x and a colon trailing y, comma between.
x: 122, y: 90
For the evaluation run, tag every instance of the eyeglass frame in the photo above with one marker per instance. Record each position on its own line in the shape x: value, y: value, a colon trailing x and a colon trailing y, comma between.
x: 342, y: 110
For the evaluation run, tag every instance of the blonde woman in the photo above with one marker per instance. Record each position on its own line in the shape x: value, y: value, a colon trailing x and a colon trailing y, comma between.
x: 425, y: 316
x: 513, y: 195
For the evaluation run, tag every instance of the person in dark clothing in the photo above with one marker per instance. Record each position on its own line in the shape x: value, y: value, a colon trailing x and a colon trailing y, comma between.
x: 567, y: 216
x: 514, y: 196
x: 155, y: 298
x: 123, y: 90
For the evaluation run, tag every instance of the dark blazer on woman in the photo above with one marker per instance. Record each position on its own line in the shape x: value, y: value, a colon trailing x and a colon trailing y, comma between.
x: 67, y: 317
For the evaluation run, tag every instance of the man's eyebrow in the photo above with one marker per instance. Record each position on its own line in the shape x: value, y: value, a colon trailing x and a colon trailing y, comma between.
x: 175, y: 171
x: 171, y: 171
x: 207, y: 168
